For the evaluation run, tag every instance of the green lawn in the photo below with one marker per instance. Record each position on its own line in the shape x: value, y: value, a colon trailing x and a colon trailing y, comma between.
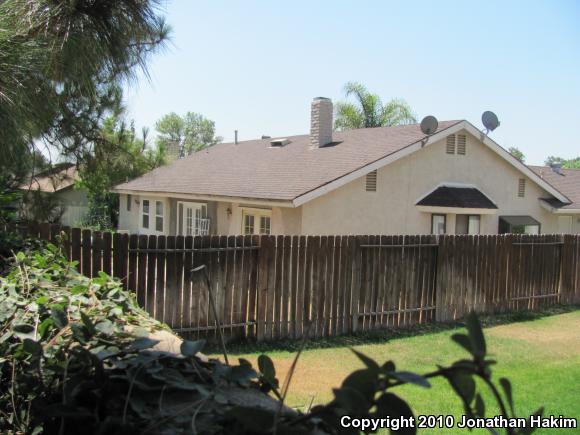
x: 540, y: 357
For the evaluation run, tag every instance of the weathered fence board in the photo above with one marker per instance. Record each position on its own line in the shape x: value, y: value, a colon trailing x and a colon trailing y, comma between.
x: 270, y: 287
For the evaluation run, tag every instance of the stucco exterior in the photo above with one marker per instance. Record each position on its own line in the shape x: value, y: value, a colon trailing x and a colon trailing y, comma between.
x: 391, y: 209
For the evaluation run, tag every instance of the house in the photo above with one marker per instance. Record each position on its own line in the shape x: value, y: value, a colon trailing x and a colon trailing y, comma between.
x: 69, y: 206
x: 391, y: 180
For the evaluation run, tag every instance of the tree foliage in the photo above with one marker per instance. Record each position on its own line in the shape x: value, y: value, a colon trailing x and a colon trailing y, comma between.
x: 514, y: 151
x: 573, y: 163
x: 61, y: 67
x: 116, y: 156
x: 189, y: 133
x: 368, y: 110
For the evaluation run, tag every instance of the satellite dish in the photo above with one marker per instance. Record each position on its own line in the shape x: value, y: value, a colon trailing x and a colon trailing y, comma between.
x: 489, y: 120
x: 429, y: 125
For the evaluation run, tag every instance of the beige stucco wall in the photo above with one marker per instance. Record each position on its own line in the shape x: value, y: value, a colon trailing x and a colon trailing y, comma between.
x: 569, y: 223
x: 284, y: 220
x: 129, y: 220
x: 391, y: 209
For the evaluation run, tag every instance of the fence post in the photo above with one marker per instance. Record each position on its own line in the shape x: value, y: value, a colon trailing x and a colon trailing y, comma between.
x: 265, y: 263
x: 356, y: 260
x: 439, y: 279
x: 568, y: 267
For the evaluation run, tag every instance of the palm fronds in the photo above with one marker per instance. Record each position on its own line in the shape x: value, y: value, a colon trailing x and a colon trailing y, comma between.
x: 369, y: 111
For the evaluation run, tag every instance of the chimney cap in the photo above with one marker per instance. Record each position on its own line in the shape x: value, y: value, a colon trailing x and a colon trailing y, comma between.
x: 321, y: 99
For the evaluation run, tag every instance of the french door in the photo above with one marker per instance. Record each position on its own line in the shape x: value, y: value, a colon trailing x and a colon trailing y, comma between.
x: 194, y: 221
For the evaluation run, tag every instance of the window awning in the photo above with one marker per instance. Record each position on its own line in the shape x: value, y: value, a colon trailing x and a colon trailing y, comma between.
x: 457, y: 197
x: 516, y: 221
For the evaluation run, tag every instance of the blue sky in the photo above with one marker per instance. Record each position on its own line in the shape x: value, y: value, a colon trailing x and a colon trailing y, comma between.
x: 255, y: 66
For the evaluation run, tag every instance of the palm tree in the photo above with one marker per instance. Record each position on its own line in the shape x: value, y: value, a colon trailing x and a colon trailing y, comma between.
x: 369, y: 111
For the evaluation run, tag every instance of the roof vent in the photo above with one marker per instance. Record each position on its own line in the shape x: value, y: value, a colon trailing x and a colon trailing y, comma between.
x: 264, y: 136
x: 279, y: 142
x: 557, y: 168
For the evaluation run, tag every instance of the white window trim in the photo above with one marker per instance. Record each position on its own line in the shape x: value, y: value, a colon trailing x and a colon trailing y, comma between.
x: 142, y: 213
x: 162, y: 216
x: 257, y: 213
x: 191, y: 204
x: 152, y: 216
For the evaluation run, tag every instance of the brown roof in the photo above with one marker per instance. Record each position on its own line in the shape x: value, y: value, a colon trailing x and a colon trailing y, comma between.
x: 53, y: 182
x: 254, y: 169
x: 461, y: 197
x: 568, y: 182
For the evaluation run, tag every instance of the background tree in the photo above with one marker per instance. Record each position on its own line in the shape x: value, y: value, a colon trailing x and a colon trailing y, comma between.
x: 61, y: 67
x: 116, y: 156
x: 517, y: 154
x: 573, y: 163
x: 191, y: 132
x: 369, y: 111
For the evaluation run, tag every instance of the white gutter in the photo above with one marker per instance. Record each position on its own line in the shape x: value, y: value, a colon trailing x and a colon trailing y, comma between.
x: 556, y: 210
x: 191, y: 196
x: 455, y: 210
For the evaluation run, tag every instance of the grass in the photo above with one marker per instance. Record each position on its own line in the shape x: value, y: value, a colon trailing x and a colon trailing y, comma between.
x: 539, y: 353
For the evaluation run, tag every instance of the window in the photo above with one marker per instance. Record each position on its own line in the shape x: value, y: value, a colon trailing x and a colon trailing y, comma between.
x: 189, y: 221
x: 438, y: 224
x: 522, y: 187
x: 450, y: 146
x: 264, y: 224
x: 248, y: 224
x: 474, y: 224
x: 256, y: 221
x: 371, y: 181
x: 467, y: 224
x: 129, y: 202
x: 461, y: 144
x: 145, y: 212
x: 159, y: 216
x: 192, y: 219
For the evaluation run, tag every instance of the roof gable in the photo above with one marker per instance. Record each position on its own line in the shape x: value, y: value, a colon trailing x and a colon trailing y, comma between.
x: 424, y: 141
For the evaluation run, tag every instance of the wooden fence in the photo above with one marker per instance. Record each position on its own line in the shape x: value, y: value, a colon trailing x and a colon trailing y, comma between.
x: 269, y: 287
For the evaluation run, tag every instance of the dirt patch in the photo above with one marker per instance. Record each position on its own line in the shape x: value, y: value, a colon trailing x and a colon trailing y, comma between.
x: 559, y: 334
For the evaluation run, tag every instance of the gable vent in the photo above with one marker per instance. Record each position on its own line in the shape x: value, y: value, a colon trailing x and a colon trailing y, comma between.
x: 461, y: 144
x: 279, y: 142
x: 450, y: 148
x: 521, y: 187
x: 371, y: 182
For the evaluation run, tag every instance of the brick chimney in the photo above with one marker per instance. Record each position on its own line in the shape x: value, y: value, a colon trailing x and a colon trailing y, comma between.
x: 173, y: 152
x: 321, y: 122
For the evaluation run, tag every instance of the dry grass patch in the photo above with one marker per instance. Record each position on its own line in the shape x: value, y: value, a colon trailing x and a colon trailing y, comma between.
x: 541, y: 357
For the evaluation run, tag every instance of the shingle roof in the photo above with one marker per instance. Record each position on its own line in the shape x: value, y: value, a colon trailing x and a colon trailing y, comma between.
x: 462, y: 197
x: 53, y: 182
x: 253, y: 169
x: 568, y: 182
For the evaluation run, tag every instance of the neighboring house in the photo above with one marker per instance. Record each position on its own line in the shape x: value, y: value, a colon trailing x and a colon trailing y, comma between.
x: 73, y: 203
x: 391, y: 180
